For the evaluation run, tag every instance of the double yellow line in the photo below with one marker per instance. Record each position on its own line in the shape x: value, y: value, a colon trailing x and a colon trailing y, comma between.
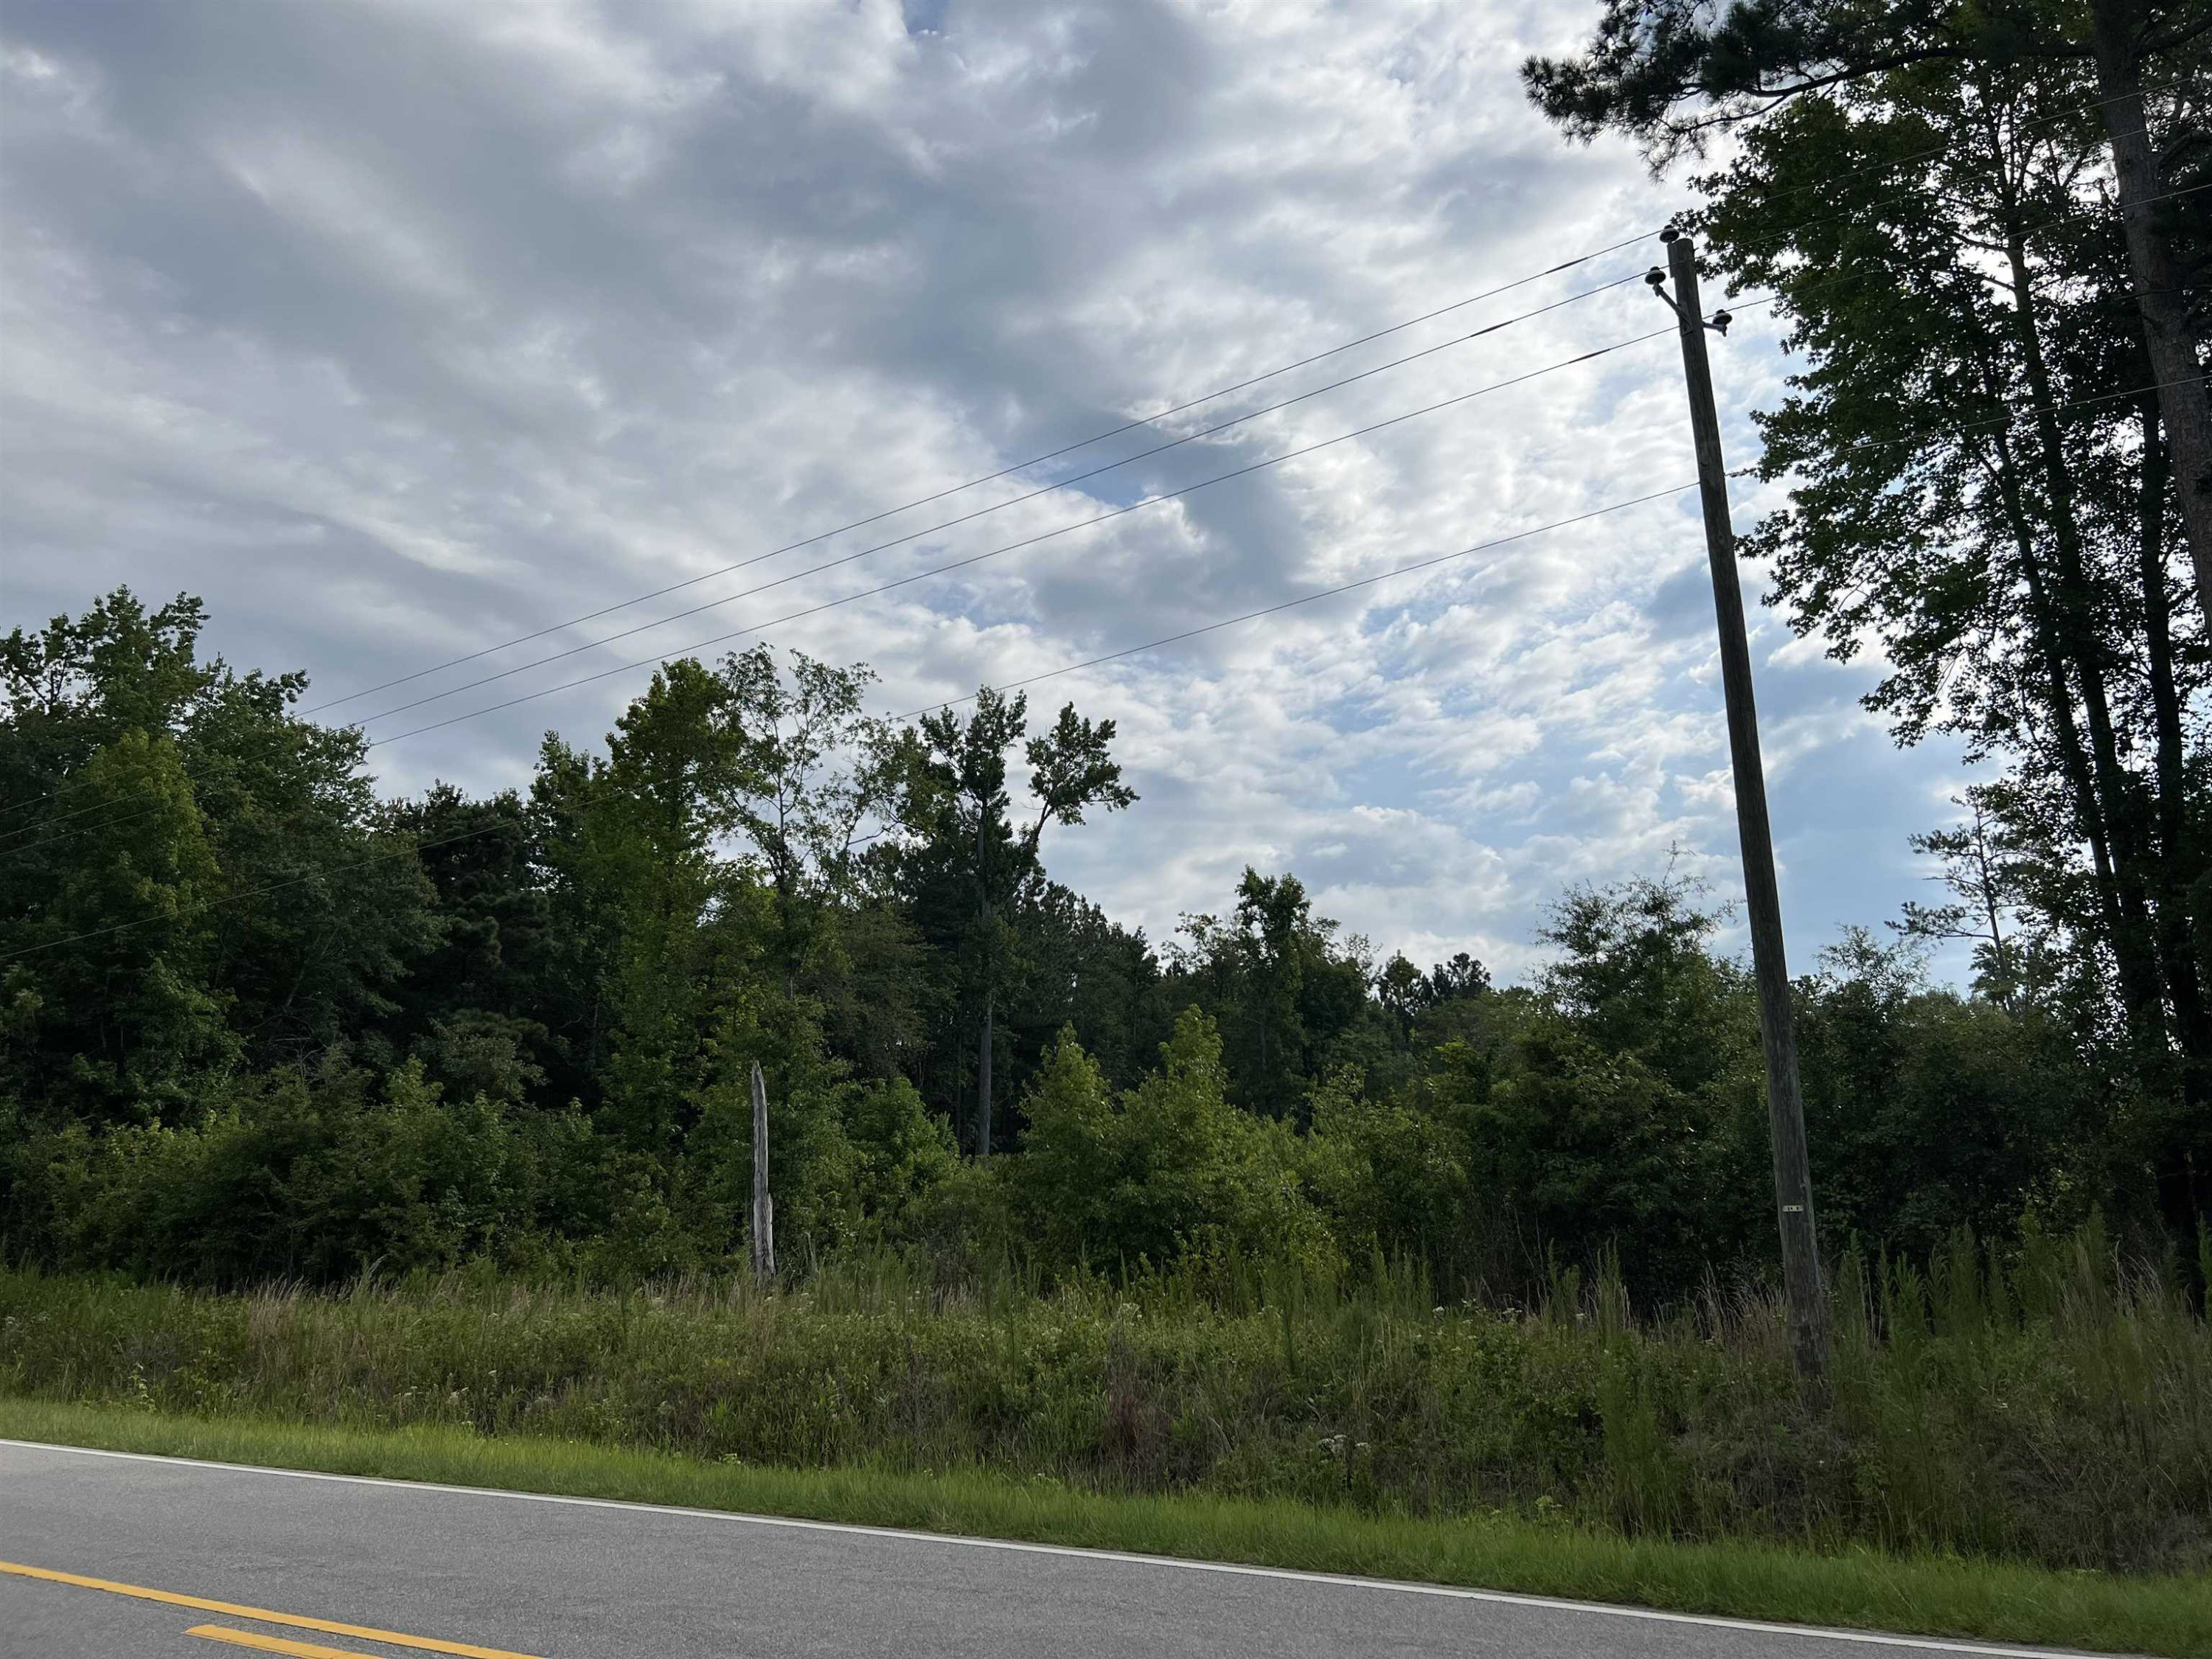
x: 245, y: 1638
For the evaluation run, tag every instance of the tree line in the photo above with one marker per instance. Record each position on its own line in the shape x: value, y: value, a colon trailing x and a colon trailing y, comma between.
x: 261, y: 1023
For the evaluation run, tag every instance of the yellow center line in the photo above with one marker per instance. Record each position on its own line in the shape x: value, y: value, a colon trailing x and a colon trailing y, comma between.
x: 328, y: 1627
x: 247, y: 1638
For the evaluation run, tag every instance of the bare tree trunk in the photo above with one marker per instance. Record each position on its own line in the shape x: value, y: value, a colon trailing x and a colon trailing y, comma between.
x: 1985, y: 871
x: 2180, y: 855
x: 2175, y: 352
x: 763, y: 1239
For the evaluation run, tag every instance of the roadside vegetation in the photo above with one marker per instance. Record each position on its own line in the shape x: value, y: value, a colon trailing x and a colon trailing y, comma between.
x: 2058, y: 1412
x: 2021, y: 1453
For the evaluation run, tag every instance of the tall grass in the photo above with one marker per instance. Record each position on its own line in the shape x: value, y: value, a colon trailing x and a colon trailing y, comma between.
x: 2055, y: 1407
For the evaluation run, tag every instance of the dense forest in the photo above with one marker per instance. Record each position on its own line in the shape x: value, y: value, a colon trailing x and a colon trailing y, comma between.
x: 257, y: 1020
x: 261, y: 1023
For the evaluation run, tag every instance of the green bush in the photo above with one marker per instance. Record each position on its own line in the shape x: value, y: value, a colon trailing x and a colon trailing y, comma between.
x: 1160, y: 1169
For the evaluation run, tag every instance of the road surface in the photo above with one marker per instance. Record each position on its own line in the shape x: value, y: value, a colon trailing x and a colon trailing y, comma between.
x: 103, y: 1553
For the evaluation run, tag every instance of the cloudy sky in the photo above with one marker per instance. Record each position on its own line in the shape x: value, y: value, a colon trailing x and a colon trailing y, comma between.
x: 398, y: 330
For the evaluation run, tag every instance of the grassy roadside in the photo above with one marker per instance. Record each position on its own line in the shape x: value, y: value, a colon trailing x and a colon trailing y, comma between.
x: 1991, y: 1600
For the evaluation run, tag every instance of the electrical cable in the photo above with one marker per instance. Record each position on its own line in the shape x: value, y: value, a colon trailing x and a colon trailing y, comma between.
x: 10, y: 808
x: 1958, y: 431
x: 1258, y: 614
x: 1016, y: 501
x: 1153, y: 418
x: 1428, y: 563
x: 1029, y: 541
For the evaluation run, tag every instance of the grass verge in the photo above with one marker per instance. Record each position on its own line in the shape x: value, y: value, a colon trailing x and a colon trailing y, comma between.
x: 1990, y: 1601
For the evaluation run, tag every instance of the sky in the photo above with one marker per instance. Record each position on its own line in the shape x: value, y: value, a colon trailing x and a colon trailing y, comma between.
x: 399, y: 331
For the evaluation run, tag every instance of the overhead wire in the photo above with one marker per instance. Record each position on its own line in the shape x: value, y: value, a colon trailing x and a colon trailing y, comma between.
x: 1132, y: 425
x: 1117, y: 512
x: 1447, y: 558
x: 997, y: 506
x: 1028, y: 541
x: 1150, y: 501
x: 1125, y: 426
x: 1961, y: 429
x: 1318, y: 594
x: 58, y: 825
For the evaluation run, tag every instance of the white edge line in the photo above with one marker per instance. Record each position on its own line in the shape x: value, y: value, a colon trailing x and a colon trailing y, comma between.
x: 1405, y: 1587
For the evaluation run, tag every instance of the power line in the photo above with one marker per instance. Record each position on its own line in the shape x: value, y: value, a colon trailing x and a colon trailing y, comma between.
x: 58, y: 818
x: 14, y: 806
x: 1447, y: 558
x: 59, y: 826
x: 1061, y: 483
x: 80, y: 812
x: 1031, y: 541
x: 1259, y: 613
x: 1155, y: 417
x: 997, y: 507
x: 1430, y: 564
x: 989, y: 554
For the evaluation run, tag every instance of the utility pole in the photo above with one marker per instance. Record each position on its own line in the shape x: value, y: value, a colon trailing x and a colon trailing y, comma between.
x: 1785, y: 1104
x: 764, y: 1229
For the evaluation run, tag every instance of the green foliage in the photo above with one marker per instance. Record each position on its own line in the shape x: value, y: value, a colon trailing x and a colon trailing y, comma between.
x: 295, y: 1176
x: 520, y: 1031
x: 1167, y: 1167
x: 2048, y: 1407
x: 1292, y: 998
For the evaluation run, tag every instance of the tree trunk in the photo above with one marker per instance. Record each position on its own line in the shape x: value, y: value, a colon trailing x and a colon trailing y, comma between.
x: 2180, y: 1165
x: 2175, y: 352
x: 1992, y: 911
x: 2074, y: 612
x: 2180, y: 855
x: 763, y: 1231
x: 2073, y: 757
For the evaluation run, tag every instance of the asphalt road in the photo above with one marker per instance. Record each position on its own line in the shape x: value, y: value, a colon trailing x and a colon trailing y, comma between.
x: 387, y: 1568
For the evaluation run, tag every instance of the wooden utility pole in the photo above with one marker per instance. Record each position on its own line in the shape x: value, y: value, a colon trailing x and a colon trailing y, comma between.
x: 1786, y: 1105
x: 763, y: 1238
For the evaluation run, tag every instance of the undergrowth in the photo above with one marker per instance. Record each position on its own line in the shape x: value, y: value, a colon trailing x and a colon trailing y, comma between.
x: 2055, y: 1408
